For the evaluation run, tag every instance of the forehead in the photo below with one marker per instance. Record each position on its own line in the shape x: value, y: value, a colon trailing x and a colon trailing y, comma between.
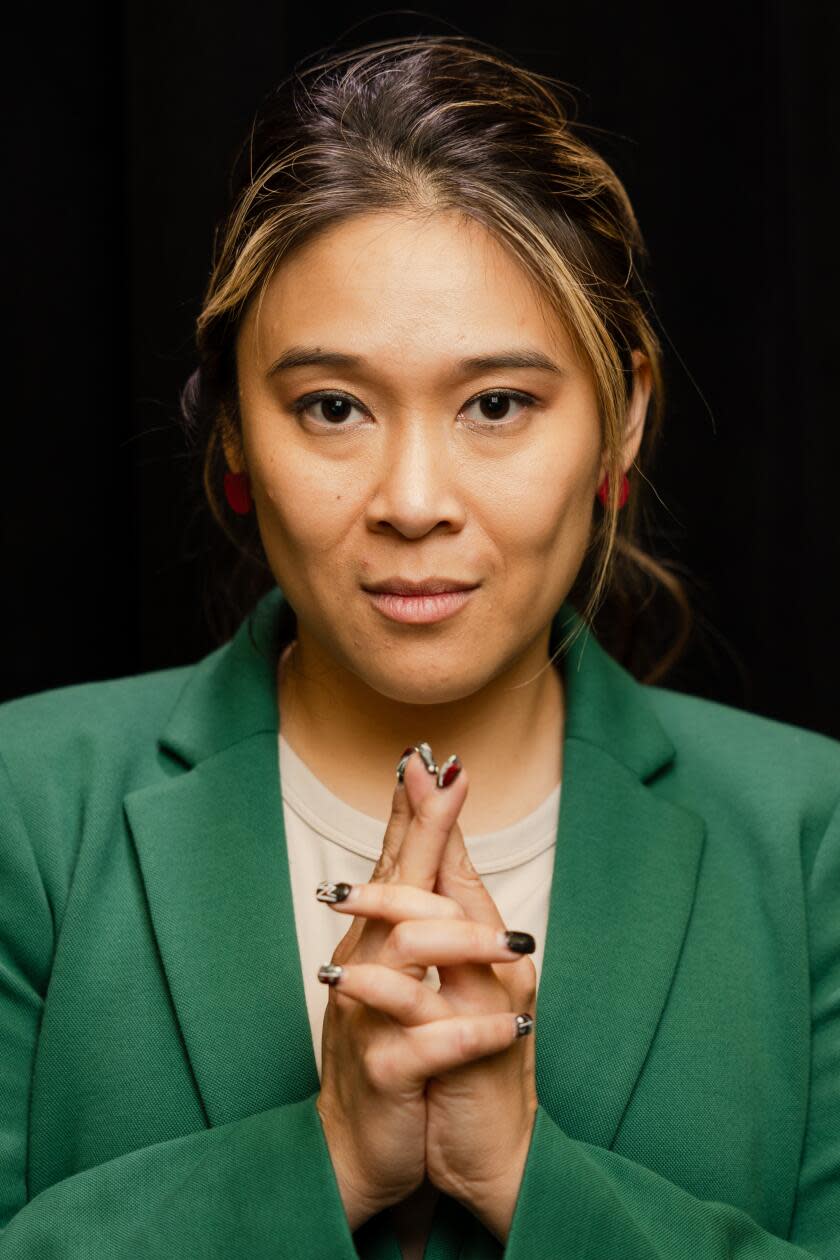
x: 407, y: 284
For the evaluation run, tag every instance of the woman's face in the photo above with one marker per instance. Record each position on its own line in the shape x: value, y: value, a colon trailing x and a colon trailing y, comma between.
x: 401, y: 454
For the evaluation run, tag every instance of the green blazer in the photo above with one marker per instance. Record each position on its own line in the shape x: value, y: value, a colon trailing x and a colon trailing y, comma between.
x: 157, y: 1075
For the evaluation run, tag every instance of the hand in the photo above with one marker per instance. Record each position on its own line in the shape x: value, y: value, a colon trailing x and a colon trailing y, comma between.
x: 481, y: 1109
x: 480, y: 1117
x: 378, y: 1054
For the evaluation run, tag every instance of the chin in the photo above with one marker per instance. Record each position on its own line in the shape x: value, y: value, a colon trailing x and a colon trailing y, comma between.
x: 419, y: 673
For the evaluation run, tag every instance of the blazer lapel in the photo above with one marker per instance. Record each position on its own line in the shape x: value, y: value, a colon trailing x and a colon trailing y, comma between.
x: 211, y: 846
x: 625, y: 873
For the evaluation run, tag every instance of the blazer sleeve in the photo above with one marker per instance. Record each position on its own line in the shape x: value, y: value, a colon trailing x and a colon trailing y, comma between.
x: 587, y: 1202
x: 237, y: 1189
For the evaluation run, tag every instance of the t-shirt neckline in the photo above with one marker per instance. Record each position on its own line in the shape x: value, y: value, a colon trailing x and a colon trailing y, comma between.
x: 341, y: 823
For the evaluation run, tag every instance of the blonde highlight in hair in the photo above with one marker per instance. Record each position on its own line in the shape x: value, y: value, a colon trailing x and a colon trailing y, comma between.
x: 440, y: 123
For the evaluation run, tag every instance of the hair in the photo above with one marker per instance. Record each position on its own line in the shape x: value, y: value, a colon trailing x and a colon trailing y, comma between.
x: 426, y: 124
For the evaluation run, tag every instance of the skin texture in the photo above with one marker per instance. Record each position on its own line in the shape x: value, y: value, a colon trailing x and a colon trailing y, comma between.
x: 414, y: 477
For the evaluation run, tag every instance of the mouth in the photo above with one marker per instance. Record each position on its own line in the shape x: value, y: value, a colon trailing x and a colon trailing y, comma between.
x: 429, y: 586
x: 423, y: 608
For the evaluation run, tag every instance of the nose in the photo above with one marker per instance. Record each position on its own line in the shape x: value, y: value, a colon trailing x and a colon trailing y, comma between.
x: 415, y: 484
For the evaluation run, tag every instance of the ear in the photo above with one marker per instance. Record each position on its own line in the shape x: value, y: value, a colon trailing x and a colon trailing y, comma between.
x: 634, y: 422
x: 231, y: 445
x: 637, y: 408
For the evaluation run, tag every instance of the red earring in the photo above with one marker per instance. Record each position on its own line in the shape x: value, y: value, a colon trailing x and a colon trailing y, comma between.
x: 238, y: 492
x: 623, y: 494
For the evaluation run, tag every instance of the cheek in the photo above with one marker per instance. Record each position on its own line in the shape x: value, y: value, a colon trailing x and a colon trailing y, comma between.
x: 545, y: 505
x: 299, y: 508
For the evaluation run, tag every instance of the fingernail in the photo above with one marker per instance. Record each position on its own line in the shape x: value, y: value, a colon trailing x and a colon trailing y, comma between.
x: 403, y: 762
x: 449, y: 771
x: 524, y: 1025
x: 332, y: 892
x: 330, y: 973
x: 519, y: 942
x: 426, y: 753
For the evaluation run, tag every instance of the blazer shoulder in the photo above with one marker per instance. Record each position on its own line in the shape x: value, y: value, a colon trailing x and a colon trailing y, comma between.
x: 72, y: 736
x: 709, y: 720
x: 755, y: 756
x: 128, y: 706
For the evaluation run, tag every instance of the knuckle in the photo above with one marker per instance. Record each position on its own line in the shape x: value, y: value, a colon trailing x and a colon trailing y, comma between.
x: 454, y: 909
x: 468, y: 1040
x: 524, y: 983
x: 461, y: 872
x: 403, y: 937
x: 464, y: 868
x: 376, y: 1067
x: 390, y: 896
x: 384, y: 867
x: 415, y: 1006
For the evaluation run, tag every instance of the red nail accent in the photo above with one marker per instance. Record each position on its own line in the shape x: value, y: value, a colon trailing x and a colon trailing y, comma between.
x: 406, y: 751
x: 450, y: 774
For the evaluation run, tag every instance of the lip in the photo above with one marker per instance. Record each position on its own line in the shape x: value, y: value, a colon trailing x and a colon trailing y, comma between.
x: 420, y: 610
x: 429, y: 586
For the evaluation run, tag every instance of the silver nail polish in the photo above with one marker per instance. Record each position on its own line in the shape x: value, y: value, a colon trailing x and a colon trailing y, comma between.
x: 331, y: 973
x: 524, y: 1025
x: 332, y: 892
x: 428, y: 757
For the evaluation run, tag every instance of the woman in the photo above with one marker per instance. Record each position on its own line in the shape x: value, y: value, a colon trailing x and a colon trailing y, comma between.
x: 572, y: 990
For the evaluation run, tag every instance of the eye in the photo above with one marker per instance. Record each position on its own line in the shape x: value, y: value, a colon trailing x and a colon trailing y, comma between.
x: 495, y: 406
x: 333, y: 407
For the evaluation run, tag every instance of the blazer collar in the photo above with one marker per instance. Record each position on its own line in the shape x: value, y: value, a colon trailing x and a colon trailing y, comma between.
x: 211, y: 847
x: 231, y: 694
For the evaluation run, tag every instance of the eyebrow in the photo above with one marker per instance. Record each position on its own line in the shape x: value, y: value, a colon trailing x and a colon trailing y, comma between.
x: 305, y: 356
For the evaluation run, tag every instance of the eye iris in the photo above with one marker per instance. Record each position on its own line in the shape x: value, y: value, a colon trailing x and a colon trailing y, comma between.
x: 335, y: 408
x: 497, y: 404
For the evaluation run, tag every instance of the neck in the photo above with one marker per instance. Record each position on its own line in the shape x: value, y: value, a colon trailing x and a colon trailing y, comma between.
x: 509, y: 737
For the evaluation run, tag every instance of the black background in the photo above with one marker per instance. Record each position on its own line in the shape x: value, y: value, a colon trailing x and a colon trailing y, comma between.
x: 721, y: 119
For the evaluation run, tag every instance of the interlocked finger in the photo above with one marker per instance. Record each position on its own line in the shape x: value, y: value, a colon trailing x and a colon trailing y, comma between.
x: 388, y: 901
x: 408, y: 1001
x: 394, y: 834
x: 431, y: 1049
x: 444, y: 942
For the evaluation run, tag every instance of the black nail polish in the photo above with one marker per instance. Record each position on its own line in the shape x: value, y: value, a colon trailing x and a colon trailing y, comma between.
x: 332, y: 892
x: 521, y: 942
